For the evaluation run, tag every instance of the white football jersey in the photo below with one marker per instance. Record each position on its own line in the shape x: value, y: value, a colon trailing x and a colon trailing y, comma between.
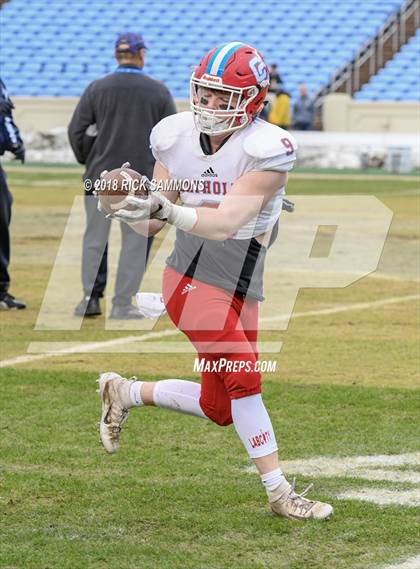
x: 175, y: 143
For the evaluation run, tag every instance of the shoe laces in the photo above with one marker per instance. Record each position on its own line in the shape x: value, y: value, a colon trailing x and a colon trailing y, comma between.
x: 116, y: 426
x: 298, y: 501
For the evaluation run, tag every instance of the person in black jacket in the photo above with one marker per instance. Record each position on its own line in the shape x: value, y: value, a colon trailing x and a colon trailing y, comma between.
x: 10, y: 140
x: 111, y: 125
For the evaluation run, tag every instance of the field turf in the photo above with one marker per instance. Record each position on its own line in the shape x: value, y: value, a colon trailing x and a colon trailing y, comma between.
x: 180, y: 493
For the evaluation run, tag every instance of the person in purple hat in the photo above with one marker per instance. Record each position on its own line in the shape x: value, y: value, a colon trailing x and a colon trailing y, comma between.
x: 111, y: 125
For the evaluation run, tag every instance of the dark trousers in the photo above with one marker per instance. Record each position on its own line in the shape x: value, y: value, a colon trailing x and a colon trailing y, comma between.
x: 302, y: 126
x: 5, y: 217
x: 132, y: 261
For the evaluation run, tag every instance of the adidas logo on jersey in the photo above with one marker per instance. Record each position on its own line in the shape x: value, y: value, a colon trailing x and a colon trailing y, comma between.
x: 188, y: 288
x: 209, y: 173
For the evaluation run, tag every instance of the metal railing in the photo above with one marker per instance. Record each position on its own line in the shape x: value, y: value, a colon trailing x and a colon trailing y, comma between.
x: 375, y: 53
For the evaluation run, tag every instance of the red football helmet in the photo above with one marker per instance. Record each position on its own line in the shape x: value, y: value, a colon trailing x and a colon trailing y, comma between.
x: 238, y: 71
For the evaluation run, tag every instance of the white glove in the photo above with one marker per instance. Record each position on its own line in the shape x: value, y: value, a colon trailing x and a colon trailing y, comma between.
x: 153, y: 206
x: 156, y: 206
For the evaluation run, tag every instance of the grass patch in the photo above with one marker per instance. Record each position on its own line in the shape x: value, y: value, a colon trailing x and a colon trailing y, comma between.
x: 176, y: 495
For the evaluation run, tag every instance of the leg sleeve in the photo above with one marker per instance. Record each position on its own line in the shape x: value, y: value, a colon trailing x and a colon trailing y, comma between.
x: 253, y: 425
x: 179, y: 395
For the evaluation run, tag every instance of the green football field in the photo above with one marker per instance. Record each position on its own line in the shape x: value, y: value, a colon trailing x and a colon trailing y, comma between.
x: 181, y: 493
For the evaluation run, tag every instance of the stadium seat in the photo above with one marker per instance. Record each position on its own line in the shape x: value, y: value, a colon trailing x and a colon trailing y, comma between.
x: 399, y: 80
x: 317, y: 39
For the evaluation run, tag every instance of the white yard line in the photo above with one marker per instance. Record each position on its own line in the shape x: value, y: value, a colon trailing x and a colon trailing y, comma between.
x: 139, y: 346
x: 351, y: 466
x: 383, y: 468
x: 84, y: 347
x: 88, y: 347
x: 410, y: 563
x: 344, y: 308
x: 383, y: 497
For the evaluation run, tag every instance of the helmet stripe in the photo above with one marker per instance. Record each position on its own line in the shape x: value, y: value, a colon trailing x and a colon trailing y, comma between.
x: 213, y: 57
x: 220, y: 57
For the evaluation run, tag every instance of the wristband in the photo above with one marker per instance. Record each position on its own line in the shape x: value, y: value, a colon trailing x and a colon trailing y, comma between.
x: 182, y: 217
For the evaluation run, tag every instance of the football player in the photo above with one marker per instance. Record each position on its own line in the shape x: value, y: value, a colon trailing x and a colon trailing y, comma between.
x: 212, y: 284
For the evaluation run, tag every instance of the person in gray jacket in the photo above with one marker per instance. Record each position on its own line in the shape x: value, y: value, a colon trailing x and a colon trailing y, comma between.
x: 303, y: 110
x: 111, y: 125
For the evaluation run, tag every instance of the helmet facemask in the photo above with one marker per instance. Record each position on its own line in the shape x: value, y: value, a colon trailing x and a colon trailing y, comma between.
x: 230, y: 116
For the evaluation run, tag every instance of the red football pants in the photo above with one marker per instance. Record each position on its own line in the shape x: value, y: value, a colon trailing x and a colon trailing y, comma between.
x: 223, y: 329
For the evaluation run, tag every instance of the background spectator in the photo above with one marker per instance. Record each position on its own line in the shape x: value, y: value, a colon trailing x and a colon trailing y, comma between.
x: 280, y: 109
x: 303, y: 110
x: 10, y: 140
x: 111, y: 125
x: 275, y: 83
x: 275, y: 79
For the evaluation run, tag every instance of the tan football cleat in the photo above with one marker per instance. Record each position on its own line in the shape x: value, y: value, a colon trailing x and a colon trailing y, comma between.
x: 286, y: 503
x: 114, y: 391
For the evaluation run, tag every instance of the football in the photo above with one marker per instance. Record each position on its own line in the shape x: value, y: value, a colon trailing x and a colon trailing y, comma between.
x: 114, y: 186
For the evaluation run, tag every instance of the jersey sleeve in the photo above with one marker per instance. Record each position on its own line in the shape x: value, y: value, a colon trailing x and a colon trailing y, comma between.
x: 271, y: 148
x: 158, y: 143
x: 164, y: 136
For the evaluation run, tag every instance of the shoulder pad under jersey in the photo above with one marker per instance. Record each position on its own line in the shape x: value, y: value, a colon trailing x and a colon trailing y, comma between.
x: 166, y: 132
x: 267, y: 140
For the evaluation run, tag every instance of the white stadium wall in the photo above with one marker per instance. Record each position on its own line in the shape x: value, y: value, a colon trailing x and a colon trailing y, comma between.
x: 341, y: 113
x: 356, y: 135
x: 398, y: 152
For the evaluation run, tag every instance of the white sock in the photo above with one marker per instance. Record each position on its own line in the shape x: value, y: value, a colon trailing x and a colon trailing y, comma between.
x: 179, y: 395
x: 271, y: 480
x: 135, y: 396
x: 253, y: 425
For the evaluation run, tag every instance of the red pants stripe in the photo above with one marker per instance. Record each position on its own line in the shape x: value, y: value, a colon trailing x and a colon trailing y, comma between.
x: 221, y: 326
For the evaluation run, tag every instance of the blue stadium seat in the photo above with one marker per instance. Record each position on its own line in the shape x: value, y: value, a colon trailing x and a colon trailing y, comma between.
x: 10, y: 66
x: 399, y: 80
x: 308, y: 40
